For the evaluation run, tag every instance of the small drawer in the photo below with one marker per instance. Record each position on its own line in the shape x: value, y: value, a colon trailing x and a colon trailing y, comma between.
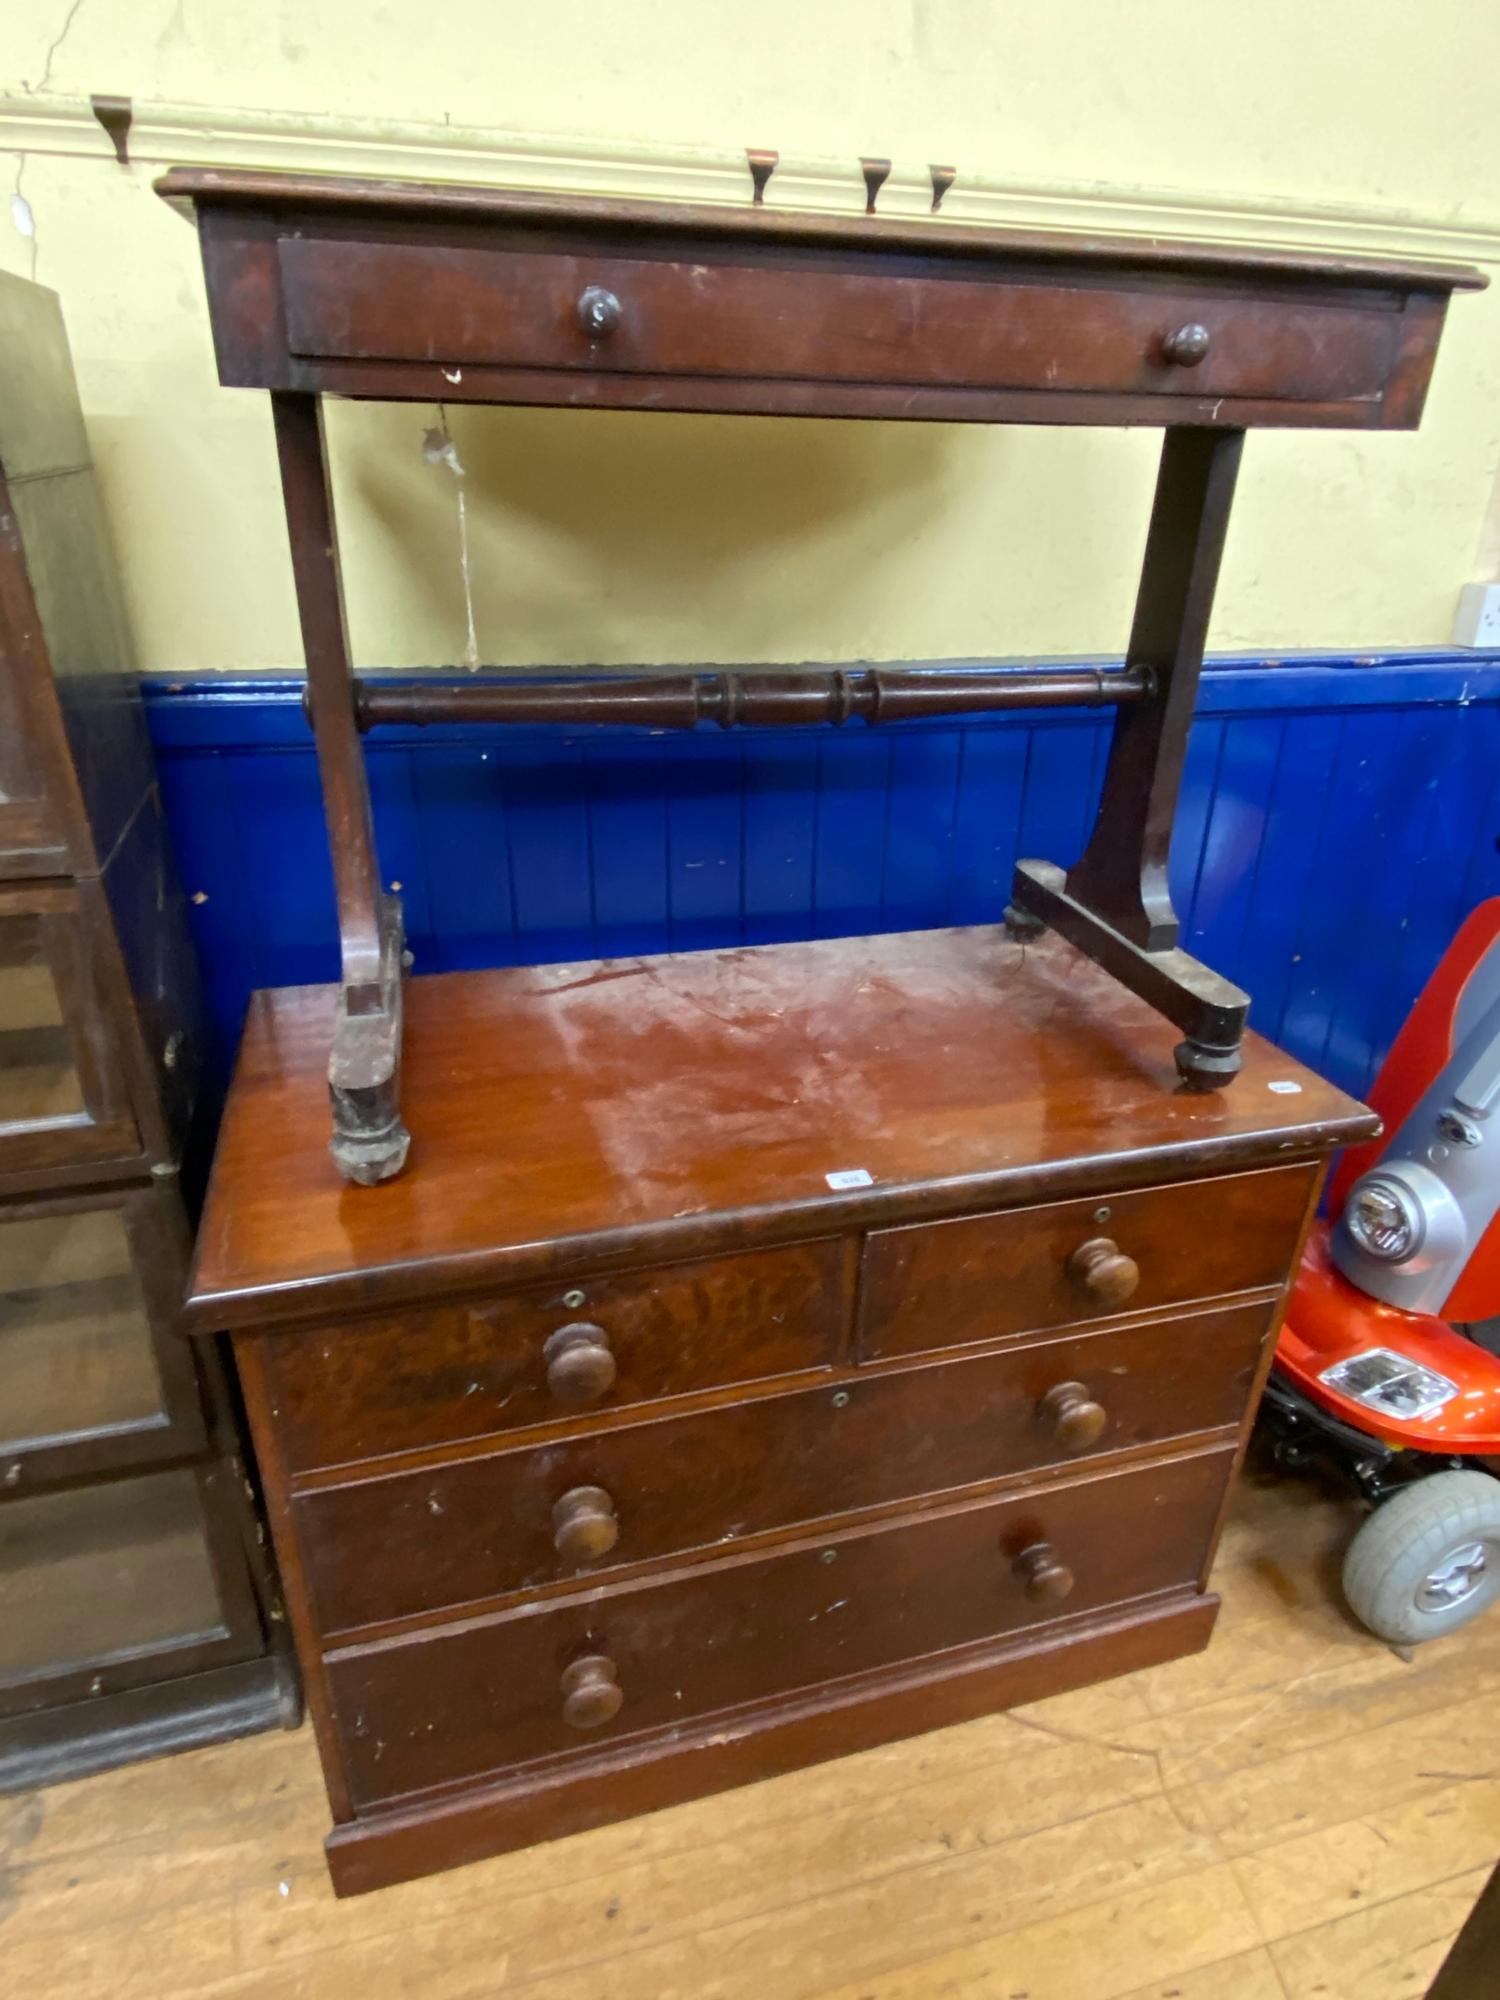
x: 63, y: 1100
x: 948, y: 1284
x: 462, y: 1701
x: 484, y: 1526
x: 796, y: 319
x: 553, y: 1353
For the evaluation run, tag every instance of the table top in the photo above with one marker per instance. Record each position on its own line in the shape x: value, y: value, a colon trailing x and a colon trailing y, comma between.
x: 350, y: 197
x: 627, y: 1111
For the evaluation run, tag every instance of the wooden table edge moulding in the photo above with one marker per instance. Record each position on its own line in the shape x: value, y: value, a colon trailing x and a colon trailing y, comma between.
x: 389, y: 290
x: 774, y: 1351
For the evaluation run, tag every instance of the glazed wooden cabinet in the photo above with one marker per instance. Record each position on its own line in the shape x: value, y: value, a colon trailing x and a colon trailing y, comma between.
x: 768, y: 1353
x: 139, y: 1608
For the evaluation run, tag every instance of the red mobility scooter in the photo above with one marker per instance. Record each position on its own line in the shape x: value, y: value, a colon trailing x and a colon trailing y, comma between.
x: 1389, y: 1361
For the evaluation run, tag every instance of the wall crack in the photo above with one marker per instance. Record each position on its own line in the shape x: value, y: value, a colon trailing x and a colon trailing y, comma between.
x: 57, y: 41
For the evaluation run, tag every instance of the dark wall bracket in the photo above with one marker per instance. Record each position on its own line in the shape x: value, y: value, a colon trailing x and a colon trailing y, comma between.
x: 762, y: 161
x: 876, y: 173
x: 115, y: 115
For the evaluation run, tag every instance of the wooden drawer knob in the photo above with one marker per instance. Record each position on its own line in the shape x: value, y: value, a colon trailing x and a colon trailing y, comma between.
x: 599, y: 311
x: 1104, y: 1271
x: 580, y: 1366
x: 1187, y: 346
x: 591, y: 1692
x: 1047, y: 1580
x: 584, y: 1524
x: 1077, y: 1420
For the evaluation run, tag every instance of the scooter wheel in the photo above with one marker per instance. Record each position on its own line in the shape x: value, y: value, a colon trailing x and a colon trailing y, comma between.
x: 1428, y: 1559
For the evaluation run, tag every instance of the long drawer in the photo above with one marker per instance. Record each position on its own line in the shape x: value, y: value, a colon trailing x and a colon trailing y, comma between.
x: 482, y: 1526
x: 439, y: 1374
x: 464, y: 1700
x: 952, y: 327
x: 948, y: 1284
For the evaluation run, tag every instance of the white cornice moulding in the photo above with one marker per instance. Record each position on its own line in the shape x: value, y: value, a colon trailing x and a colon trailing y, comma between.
x: 180, y: 134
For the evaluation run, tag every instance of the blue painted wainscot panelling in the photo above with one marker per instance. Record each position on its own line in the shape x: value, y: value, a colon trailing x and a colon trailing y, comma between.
x: 1339, y: 817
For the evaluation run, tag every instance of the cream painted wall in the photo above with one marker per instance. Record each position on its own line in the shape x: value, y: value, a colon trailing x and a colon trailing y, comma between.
x: 604, y: 537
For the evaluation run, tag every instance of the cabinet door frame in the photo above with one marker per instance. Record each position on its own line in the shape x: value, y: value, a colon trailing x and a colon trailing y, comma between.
x: 45, y: 831
x: 241, y: 1635
x: 83, y: 958
x: 156, y: 1230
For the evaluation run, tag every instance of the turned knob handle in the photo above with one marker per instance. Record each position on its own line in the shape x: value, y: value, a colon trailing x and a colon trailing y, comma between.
x: 591, y: 1692
x: 580, y: 1366
x: 599, y: 311
x: 1186, y: 346
x: 584, y: 1524
x: 1104, y: 1271
x: 1047, y: 1580
x: 1077, y: 1420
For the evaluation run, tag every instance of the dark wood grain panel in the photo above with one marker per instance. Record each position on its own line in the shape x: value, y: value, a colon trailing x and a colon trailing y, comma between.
x: 465, y: 1369
x: 485, y: 1525
x: 460, y: 1701
x: 978, y: 1277
x: 454, y: 304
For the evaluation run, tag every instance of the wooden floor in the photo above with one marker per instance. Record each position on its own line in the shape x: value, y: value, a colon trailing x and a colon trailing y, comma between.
x: 1295, y: 1813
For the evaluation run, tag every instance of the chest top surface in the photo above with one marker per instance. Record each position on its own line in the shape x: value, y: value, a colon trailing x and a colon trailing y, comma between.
x: 640, y: 1110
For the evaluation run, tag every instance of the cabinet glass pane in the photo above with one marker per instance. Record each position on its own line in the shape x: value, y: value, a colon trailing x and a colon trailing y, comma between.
x: 38, y: 1077
x: 104, y: 1573
x: 19, y: 783
x: 76, y: 1353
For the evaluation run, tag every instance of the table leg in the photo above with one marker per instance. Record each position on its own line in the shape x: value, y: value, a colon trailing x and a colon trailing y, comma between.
x: 1115, y: 904
x: 364, y: 1072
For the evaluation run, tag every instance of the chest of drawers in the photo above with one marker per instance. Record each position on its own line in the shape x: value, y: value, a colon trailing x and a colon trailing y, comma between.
x: 766, y: 1354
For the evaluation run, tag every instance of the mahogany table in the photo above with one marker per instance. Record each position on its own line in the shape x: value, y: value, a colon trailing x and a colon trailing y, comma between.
x: 392, y: 290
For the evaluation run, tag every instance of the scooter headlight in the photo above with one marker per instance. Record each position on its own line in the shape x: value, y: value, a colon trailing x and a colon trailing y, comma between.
x: 1385, y: 1381
x: 1384, y: 1220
